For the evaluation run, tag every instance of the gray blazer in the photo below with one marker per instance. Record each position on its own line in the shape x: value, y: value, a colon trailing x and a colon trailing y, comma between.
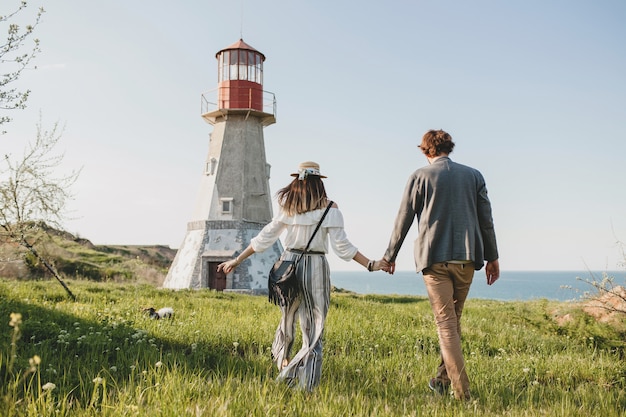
x: 453, y: 215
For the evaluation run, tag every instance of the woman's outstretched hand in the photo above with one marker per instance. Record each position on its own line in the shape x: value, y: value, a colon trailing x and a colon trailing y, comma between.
x: 228, y: 266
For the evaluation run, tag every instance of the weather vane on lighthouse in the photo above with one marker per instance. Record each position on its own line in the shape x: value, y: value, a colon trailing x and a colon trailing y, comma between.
x: 234, y: 200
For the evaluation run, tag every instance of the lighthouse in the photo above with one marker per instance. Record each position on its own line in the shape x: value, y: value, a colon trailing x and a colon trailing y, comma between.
x: 234, y: 200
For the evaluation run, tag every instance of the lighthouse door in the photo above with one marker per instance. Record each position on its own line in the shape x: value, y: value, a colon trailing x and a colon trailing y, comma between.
x: 217, y: 280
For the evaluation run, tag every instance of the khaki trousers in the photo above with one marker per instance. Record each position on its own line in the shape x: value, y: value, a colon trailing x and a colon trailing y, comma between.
x: 448, y: 285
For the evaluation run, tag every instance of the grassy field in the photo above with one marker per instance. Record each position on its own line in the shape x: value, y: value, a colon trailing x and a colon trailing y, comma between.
x: 102, y: 356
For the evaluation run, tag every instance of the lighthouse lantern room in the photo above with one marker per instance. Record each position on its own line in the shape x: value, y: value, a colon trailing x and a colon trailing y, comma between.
x: 240, y: 85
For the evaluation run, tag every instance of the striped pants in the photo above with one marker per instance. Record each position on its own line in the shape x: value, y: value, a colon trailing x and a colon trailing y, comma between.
x: 305, y: 368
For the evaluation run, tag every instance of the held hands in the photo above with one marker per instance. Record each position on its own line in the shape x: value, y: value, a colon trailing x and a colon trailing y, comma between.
x: 378, y: 265
x: 385, y: 265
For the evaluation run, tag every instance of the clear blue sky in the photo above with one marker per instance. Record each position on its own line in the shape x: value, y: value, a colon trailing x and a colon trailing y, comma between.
x: 533, y: 93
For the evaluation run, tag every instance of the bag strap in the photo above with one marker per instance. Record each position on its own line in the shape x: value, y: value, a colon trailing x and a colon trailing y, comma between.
x: 315, y: 231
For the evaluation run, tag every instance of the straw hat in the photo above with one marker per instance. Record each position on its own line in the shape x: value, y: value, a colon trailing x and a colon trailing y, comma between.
x: 308, y: 168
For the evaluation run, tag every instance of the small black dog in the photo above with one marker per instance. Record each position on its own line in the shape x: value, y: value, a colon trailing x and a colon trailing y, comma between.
x: 162, y: 313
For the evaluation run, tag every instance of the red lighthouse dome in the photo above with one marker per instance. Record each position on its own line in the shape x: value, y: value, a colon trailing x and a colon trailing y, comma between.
x: 240, y: 85
x: 240, y: 77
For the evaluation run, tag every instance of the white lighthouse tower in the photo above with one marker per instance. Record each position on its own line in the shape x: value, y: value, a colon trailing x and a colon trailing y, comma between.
x: 234, y: 200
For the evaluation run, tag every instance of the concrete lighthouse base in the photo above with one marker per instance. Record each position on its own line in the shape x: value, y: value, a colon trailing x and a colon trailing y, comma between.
x: 209, y: 243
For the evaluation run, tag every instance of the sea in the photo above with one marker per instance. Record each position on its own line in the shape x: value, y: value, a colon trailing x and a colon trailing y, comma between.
x: 511, y: 286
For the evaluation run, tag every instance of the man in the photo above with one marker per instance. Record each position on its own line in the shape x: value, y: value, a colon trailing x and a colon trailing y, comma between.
x: 455, y: 237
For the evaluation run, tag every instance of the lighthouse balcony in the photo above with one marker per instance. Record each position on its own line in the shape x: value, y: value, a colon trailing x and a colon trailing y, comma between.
x: 218, y: 103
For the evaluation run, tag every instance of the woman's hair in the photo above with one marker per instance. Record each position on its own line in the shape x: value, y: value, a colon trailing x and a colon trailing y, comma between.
x: 436, y: 142
x: 303, y: 195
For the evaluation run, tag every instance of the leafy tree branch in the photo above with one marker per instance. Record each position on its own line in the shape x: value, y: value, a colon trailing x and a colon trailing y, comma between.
x: 14, y: 59
x: 32, y: 195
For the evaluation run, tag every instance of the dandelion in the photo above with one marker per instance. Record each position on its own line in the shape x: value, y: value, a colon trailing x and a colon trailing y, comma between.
x: 158, y: 364
x: 235, y: 344
x: 97, y: 380
x: 35, y: 360
x: 16, y: 320
x: 48, y: 386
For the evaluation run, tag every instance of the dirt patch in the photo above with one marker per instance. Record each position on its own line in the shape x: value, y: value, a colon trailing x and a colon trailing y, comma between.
x: 609, y: 306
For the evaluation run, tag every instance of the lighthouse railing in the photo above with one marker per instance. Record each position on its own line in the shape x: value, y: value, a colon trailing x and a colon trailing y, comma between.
x: 210, y: 102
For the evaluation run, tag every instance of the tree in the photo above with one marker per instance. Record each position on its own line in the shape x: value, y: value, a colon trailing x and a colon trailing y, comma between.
x: 14, y: 60
x: 32, y: 196
x: 607, y: 297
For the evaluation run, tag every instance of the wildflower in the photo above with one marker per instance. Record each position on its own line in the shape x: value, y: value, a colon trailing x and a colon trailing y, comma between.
x: 194, y: 346
x: 97, y: 380
x: 35, y: 360
x: 113, y: 369
x: 235, y: 344
x: 158, y: 364
x: 16, y: 320
x: 48, y: 386
x: 526, y: 370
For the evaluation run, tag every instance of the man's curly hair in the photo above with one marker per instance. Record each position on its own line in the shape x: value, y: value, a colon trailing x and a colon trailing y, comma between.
x: 436, y: 142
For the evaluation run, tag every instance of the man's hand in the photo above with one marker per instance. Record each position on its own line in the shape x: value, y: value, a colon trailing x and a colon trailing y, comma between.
x: 391, y: 267
x: 493, y: 271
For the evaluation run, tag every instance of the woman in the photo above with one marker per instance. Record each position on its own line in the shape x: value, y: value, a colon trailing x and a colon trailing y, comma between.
x: 302, y: 204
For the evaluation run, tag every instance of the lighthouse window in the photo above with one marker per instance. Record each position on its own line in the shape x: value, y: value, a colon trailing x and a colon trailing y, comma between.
x: 226, y: 66
x: 243, y: 66
x: 240, y: 65
x: 252, y: 73
x: 233, y: 66
x: 227, y: 205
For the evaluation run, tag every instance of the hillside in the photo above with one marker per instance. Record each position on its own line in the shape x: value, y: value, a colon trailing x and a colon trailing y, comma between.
x: 78, y: 258
x: 101, y: 355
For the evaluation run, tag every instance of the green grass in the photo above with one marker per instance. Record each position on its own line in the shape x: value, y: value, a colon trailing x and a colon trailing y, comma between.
x: 106, y: 358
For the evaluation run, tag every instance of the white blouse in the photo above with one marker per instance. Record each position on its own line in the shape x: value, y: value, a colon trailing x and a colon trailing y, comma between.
x: 299, y: 230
